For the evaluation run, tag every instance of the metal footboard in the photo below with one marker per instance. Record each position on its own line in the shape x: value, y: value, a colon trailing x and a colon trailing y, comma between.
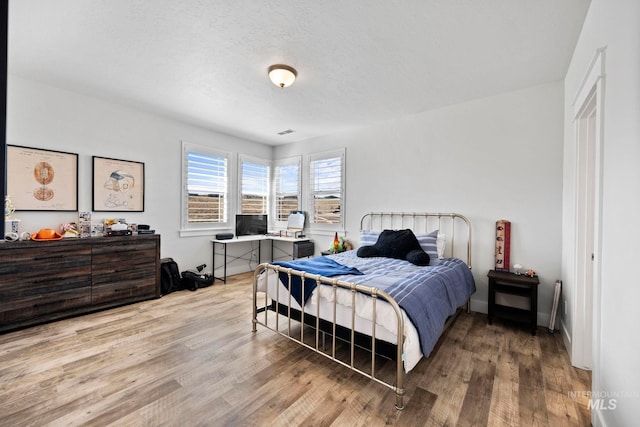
x: 292, y: 318
x: 456, y: 228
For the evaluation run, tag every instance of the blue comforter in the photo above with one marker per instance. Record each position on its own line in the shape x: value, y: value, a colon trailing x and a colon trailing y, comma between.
x: 429, y: 295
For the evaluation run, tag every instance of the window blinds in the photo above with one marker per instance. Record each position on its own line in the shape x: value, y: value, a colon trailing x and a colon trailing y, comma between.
x: 326, y: 184
x: 207, y: 188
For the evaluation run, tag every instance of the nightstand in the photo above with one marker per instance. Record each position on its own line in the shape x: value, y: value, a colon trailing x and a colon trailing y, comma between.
x: 505, y: 282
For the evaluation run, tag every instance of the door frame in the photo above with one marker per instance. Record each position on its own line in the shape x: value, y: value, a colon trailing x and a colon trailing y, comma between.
x: 591, y: 90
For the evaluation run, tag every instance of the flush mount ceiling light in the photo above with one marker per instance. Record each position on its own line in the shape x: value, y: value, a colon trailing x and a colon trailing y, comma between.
x: 282, y: 75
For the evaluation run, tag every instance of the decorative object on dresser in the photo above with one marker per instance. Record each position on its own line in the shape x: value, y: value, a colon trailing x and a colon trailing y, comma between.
x: 504, y: 282
x: 8, y: 207
x: 46, y: 234
x: 367, y: 308
x: 44, y: 281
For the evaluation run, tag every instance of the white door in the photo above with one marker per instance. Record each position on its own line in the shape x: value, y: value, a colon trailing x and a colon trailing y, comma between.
x: 588, y: 114
x: 585, y: 222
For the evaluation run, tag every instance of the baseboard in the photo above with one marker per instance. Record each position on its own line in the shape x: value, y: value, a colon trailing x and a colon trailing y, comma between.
x: 596, y: 419
x: 236, y: 269
x: 566, y: 337
x: 479, y: 306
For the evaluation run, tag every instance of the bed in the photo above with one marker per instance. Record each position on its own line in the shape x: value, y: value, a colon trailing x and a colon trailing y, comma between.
x: 389, y: 307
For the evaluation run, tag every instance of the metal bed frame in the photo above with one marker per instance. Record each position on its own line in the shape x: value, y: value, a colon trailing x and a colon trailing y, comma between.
x: 447, y: 223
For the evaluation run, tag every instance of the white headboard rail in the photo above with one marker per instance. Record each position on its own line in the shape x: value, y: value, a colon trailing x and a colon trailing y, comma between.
x: 456, y: 227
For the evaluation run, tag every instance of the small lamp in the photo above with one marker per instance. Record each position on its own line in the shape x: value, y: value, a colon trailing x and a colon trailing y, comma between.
x: 282, y: 75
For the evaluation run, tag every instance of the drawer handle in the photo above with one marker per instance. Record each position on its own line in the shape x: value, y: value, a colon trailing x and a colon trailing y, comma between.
x: 39, y: 281
x: 44, y: 304
x: 46, y: 258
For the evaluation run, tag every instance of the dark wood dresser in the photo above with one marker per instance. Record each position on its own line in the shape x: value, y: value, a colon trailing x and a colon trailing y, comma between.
x: 44, y: 281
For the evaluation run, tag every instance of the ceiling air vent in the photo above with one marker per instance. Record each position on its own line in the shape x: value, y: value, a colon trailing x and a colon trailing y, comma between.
x: 285, y: 132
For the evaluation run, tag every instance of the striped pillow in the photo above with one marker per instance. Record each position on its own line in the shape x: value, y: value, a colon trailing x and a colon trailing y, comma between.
x: 368, y: 238
x: 428, y: 243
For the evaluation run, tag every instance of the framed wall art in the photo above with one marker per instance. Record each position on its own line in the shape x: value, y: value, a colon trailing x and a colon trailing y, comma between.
x: 118, y: 185
x: 42, y: 180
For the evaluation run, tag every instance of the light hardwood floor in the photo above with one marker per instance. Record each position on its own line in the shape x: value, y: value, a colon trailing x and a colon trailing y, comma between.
x: 190, y: 359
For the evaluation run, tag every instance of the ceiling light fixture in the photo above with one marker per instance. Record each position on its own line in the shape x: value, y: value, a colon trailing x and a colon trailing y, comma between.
x: 282, y: 75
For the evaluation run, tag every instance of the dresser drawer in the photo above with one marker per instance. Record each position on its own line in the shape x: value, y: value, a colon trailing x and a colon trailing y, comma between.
x: 122, y: 291
x: 124, y: 248
x: 33, y: 263
x: 36, y: 305
x: 123, y: 272
x: 38, y: 281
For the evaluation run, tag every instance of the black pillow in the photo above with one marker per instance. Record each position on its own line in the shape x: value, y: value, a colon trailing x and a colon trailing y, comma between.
x: 368, y: 252
x: 418, y: 257
x: 396, y: 244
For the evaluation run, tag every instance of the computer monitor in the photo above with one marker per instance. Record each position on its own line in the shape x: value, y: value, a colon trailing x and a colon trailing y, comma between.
x: 248, y: 225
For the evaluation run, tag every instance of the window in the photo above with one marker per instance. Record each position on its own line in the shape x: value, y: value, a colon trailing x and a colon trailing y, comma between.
x: 254, y: 192
x: 326, y: 179
x: 206, y: 175
x: 286, y: 188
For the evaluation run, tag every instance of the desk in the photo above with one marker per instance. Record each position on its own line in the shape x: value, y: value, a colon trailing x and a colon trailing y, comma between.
x: 244, y: 239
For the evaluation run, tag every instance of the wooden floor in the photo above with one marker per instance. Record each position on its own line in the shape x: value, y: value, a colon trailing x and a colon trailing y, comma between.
x: 190, y: 359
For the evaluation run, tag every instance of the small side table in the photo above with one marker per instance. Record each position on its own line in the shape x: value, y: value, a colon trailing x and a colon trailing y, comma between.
x: 505, y: 282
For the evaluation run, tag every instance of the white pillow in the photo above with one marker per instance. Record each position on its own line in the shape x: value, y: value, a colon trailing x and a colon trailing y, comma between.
x: 441, y: 243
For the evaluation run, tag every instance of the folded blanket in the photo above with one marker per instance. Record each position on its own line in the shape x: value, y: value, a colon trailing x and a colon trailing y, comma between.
x: 319, y: 265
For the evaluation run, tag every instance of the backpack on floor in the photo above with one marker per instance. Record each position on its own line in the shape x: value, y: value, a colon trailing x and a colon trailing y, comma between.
x: 170, y: 279
x: 195, y: 280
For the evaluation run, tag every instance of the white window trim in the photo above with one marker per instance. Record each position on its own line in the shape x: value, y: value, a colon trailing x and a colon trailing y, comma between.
x: 202, y: 229
x: 280, y: 162
x: 325, y: 229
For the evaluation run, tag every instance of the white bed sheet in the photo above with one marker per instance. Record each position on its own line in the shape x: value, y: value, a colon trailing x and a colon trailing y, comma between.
x: 386, y: 322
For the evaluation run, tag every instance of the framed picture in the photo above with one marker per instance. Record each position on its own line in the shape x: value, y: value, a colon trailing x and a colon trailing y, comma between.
x: 42, y: 180
x: 118, y: 185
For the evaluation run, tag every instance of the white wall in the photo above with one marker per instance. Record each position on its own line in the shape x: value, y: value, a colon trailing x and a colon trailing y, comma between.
x: 42, y: 116
x: 614, y: 24
x: 498, y: 157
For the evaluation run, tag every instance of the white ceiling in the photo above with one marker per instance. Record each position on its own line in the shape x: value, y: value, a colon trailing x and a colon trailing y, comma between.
x: 358, y: 61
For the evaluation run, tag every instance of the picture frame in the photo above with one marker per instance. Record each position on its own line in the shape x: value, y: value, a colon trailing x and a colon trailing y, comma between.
x: 42, y: 180
x: 118, y: 185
